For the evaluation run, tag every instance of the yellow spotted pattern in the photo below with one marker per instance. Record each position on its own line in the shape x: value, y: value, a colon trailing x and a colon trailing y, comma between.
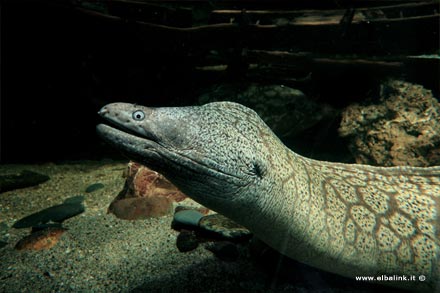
x: 383, y: 219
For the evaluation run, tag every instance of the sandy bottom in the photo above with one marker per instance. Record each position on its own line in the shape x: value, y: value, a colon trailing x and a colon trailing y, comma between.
x: 100, y: 253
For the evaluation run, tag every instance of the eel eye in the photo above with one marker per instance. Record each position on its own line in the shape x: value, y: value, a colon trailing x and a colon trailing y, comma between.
x: 138, y: 115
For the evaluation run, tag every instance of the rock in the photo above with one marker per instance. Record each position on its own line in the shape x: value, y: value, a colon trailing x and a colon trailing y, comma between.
x: 24, y: 179
x: 146, y: 182
x: 187, y: 241
x: 75, y: 199
x: 186, y: 218
x: 141, y: 208
x: 287, y: 111
x: 224, y: 250
x: 43, y: 239
x: 94, y: 187
x: 403, y: 129
x: 146, y: 193
x: 222, y: 227
x: 57, y: 214
x: 202, y: 210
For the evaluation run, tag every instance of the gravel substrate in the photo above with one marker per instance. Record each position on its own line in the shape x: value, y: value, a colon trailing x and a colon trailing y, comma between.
x: 100, y: 253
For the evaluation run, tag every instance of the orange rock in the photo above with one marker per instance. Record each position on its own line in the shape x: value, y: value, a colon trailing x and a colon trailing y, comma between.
x: 141, y: 208
x: 43, y: 239
x: 144, y: 182
x: 146, y: 193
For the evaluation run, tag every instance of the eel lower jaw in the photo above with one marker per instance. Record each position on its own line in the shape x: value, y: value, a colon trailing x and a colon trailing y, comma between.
x: 127, y: 142
x: 154, y: 155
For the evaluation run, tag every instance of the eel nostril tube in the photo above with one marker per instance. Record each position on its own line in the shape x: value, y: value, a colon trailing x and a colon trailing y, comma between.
x: 103, y: 111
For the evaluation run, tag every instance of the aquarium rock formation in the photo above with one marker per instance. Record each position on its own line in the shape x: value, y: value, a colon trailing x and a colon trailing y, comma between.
x: 146, y: 194
x: 402, y: 129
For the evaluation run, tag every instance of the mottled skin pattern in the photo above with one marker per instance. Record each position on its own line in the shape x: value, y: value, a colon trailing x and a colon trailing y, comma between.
x: 344, y: 218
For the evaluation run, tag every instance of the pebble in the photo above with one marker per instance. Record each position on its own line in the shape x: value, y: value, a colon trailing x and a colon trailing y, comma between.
x: 75, y: 199
x: 186, y: 241
x: 200, y: 209
x: 223, y: 227
x: 94, y: 187
x: 57, y: 214
x: 43, y: 239
x: 187, y: 218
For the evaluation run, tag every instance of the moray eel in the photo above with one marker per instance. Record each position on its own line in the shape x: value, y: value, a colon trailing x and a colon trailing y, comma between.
x: 349, y: 219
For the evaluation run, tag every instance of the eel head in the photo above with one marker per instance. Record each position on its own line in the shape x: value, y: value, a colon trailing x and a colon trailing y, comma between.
x: 214, y: 153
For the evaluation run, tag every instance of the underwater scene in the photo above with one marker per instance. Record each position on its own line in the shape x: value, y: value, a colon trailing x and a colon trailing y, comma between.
x: 220, y: 146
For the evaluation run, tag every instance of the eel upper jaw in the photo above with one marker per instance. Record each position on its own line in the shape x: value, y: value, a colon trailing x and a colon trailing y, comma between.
x: 126, y: 139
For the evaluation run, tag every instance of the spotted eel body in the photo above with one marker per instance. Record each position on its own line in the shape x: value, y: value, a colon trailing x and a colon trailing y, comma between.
x: 349, y: 219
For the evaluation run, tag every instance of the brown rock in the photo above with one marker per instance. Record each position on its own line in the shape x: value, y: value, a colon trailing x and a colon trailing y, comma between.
x: 141, y: 207
x: 146, y: 193
x: 222, y: 227
x: 403, y: 129
x: 144, y: 182
x: 42, y: 239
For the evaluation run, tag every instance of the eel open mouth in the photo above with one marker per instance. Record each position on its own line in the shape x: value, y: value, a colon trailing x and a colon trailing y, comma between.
x: 120, y: 135
x: 110, y: 124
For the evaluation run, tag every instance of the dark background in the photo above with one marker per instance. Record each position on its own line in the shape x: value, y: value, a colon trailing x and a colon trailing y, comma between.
x: 59, y: 67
